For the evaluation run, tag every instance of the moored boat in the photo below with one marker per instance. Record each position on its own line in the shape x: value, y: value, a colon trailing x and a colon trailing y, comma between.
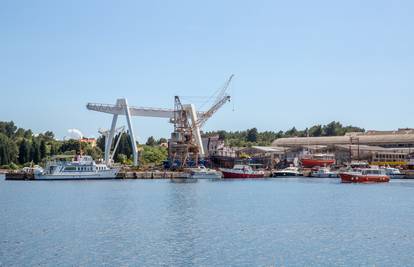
x: 81, y: 168
x: 202, y: 172
x: 394, y: 173
x: 324, y: 173
x: 288, y: 172
x: 365, y: 176
x: 242, y: 171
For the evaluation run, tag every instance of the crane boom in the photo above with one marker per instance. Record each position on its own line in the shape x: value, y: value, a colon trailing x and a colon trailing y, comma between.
x: 207, y: 115
x: 223, y: 91
x: 222, y: 98
x: 135, y: 111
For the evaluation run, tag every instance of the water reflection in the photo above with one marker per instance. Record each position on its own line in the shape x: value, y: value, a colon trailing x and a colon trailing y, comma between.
x: 182, y: 219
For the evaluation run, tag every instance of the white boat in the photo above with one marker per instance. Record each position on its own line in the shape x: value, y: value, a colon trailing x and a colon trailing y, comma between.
x: 324, y: 173
x: 81, y: 168
x: 202, y: 172
x: 289, y: 171
x: 394, y: 173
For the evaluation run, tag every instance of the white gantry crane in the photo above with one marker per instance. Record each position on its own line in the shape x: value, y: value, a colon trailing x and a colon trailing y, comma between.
x: 121, y: 108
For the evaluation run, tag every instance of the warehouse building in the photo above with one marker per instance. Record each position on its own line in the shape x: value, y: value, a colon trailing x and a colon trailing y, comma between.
x: 390, y: 139
x: 377, y: 147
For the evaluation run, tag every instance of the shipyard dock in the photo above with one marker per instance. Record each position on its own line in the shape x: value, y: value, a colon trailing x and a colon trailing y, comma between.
x: 22, y: 176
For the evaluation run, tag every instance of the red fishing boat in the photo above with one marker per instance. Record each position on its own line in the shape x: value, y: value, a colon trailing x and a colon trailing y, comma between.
x: 241, y: 171
x: 321, y: 160
x: 365, y: 176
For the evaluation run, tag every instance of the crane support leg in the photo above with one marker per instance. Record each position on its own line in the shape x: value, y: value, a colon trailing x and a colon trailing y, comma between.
x: 108, y: 141
x: 131, y: 132
x: 196, y: 129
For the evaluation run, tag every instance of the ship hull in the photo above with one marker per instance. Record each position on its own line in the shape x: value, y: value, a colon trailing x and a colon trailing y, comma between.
x: 286, y: 174
x: 397, y: 176
x: 235, y: 175
x: 310, y: 163
x: 357, y: 178
x: 324, y: 175
x: 111, y: 174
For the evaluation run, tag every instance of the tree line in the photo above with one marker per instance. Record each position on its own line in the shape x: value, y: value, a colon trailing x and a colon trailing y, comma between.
x: 252, y: 136
x: 20, y: 147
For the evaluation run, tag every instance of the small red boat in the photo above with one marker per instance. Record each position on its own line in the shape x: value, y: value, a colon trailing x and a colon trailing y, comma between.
x: 365, y: 176
x: 241, y: 171
x: 321, y: 160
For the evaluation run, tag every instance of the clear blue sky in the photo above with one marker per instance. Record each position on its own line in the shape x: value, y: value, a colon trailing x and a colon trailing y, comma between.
x: 297, y: 63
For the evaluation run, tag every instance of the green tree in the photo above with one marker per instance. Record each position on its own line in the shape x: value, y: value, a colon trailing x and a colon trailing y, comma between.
x: 70, y: 145
x: 252, y: 135
x: 8, y: 150
x: 121, y: 158
x: 94, y: 152
x: 28, y: 134
x: 315, y: 131
x: 100, y: 142
x: 24, y: 152
x: 35, y: 155
x: 124, y: 146
x: 20, y: 133
x: 292, y: 132
x: 54, y: 148
x: 222, y: 135
x: 49, y: 135
x: 8, y: 128
x: 43, y: 149
x: 331, y: 128
x: 152, y: 154
x: 151, y: 141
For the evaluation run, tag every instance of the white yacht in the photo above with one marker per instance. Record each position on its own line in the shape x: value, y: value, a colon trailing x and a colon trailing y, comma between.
x: 202, y: 172
x: 80, y: 168
x: 289, y: 171
x: 324, y: 173
x: 394, y: 173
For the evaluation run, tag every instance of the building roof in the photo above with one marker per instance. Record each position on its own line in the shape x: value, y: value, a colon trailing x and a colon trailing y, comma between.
x: 270, y: 148
x: 265, y: 149
x: 333, y: 140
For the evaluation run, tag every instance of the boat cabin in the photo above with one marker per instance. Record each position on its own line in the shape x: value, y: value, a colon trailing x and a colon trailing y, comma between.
x: 373, y: 172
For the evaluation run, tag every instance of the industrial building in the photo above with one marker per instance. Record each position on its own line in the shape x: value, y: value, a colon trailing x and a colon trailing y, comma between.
x: 377, y: 147
x: 392, y: 139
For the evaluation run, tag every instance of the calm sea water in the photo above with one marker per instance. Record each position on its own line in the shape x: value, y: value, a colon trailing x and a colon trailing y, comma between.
x: 271, y: 222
